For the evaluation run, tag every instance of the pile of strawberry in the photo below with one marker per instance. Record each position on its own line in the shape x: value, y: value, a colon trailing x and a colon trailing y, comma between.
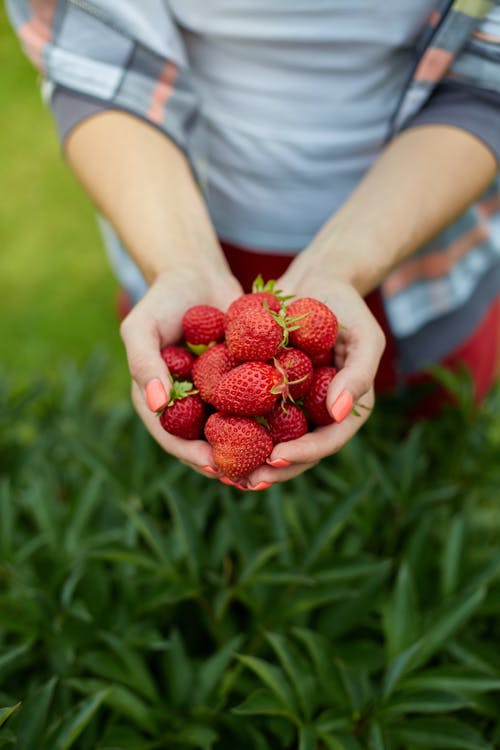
x: 251, y: 377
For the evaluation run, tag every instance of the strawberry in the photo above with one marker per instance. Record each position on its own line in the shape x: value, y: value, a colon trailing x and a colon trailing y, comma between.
x: 286, y: 424
x: 239, y: 444
x: 248, y: 301
x: 185, y: 414
x: 249, y: 390
x: 254, y: 335
x: 315, y: 400
x: 316, y: 332
x: 297, y: 370
x: 262, y: 295
x: 209, y: 368
x: 178, y: 360
x: 203, y: 325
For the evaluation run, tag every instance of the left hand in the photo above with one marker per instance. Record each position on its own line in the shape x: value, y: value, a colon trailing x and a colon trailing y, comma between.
x: 358, y: 350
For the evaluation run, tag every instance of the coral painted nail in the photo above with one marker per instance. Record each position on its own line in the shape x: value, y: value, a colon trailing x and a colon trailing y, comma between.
x: 226, y: 480
x: 261, y: 486
x: 156, y: 395
x: 210, y: 470
x: 342, y: 406
x: 279, y: 463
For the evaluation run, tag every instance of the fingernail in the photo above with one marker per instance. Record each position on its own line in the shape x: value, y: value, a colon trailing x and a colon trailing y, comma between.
x: 226, y: 480
x: 278, y: 463
x: 261, y: 486
x: 156, y: 395
x: 210, y: 470
x: 342, y: 406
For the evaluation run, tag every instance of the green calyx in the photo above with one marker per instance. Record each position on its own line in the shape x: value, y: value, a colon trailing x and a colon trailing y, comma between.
x: 283, y: 388
x: 287, y: 323
x: 269, y: 286
x: 198, y: 349
x: 180, y: 389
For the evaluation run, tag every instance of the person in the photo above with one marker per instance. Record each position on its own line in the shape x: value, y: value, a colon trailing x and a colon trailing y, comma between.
x: 348, y: 149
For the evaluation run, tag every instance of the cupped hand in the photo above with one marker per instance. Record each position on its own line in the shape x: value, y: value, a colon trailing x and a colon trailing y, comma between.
x: 358, y: 350
x: 152, y: 324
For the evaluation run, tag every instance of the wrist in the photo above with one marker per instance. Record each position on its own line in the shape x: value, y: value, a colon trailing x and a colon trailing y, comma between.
x: 351, y: 254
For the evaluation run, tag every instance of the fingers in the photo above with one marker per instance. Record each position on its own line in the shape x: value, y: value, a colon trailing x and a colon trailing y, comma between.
x: 143, y: 341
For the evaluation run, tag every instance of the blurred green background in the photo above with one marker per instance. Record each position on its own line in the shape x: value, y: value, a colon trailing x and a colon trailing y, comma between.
x: 57, y: 291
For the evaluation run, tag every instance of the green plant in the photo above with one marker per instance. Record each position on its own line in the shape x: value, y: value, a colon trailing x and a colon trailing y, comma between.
x: 143, y: 606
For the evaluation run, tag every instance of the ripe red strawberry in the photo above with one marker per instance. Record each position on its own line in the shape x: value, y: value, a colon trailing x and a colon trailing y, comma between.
x: 254, y: 335
x: 315, y: 400
x: 288, y: 424
x: 251, y: 389
x: 178, y: 360
x: 203, y: 324
x: 298, y: 371
x: 185, y: 413
x: 248, y: 301
x: 209, y: 368
x: 317, y: 330
x: 239, y: 444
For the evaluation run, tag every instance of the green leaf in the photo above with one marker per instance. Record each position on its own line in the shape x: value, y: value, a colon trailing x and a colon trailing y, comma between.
x: 263, y: 702
x: 307, y: 738
x: 13, y: 654
x: 296, y: 670
x: 409, y: 459
x: 400, y: 616
x: 5, y: 713
x: 457, y: 612
x: 273, y: 677
x: 123, y: 700
x: 443, y: 733
x: 82, y: 511
x: 376, y: 739
x: 303, y: 601
x: 341, y: 741
x: 33, y: 716
x: 212, y: 670
x: 277, y: 521
x: 74, y: 724
x: 7, y: 516
x: 455, y: 679
x: 179, y: 672
x: 354, y: 611
x: 185, y: 528
x: 125, y: 556
x: 139, y: 676
x: 325, y: 667
x: 426, y: 701
x: 199, y: 736
x: 258, y: 560
x: 151, y: 535
x: 331, y: 526
x: 452, y: 556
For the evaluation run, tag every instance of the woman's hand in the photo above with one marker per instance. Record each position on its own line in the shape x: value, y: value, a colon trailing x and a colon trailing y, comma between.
x: 358, y: 350
x: 152, y: 324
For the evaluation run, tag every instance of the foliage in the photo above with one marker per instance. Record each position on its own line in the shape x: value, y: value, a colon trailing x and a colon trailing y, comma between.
x: 143, y: 606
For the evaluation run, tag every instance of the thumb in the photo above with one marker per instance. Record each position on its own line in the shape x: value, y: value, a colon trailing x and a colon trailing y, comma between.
x: 142, y: 342
x: 357, y: 375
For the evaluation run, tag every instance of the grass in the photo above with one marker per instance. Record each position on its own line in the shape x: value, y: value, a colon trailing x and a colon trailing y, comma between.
x: 56, y: 289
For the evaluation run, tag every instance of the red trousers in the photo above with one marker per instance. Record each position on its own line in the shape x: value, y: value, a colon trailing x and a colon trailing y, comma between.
x: 479, y: 353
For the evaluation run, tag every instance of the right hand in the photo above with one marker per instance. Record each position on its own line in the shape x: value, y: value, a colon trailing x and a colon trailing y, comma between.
x: 155, y: 322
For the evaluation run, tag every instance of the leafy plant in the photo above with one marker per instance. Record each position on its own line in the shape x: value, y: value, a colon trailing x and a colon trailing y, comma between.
x: 143, y: 606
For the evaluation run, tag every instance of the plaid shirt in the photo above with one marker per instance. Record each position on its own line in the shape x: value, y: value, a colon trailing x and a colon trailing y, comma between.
x: 113, y: 50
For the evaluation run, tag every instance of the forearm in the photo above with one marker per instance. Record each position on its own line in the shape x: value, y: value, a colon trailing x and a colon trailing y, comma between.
x: 425, y: 178
x: 142, y: 182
